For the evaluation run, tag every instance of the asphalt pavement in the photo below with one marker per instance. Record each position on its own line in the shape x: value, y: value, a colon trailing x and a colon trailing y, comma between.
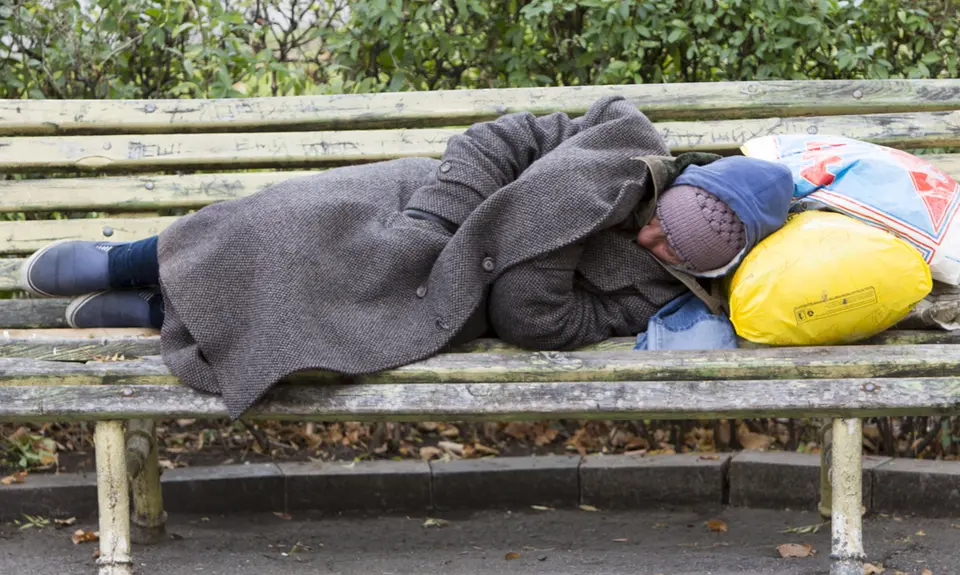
x: 525, y: 541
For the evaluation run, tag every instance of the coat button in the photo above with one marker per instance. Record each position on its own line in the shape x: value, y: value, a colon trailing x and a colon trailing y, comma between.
x: 489, y: 265
x: 422, y: 291
x: 442, y: 324
x: 445, y: 167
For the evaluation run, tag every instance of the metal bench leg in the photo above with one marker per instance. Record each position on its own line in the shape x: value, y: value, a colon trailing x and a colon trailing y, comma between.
x: 847, y: 485
x: 826, y: 450
x: 113, y: 498
x: 149, y: 519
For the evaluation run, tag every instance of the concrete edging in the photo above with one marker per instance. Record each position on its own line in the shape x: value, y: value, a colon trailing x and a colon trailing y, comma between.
x: 747, y: 479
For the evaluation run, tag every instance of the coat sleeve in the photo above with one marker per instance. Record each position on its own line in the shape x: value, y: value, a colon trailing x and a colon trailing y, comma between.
x: 490, y: 155
x: 539, y: 304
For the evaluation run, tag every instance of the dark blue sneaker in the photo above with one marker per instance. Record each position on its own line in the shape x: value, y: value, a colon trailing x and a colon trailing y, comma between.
x: 115, y: 308
x: 67, y: 268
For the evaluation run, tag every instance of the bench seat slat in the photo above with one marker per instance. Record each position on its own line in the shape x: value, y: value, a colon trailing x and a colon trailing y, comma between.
x: 625, y: 365
x: 302, y: 149
x: 151, y: 192
x: 93, y: 344
x: 714, y: 100
x: 503, y: 401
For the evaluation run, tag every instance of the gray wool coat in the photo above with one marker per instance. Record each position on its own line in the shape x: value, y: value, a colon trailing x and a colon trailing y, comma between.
x: 327, y: 272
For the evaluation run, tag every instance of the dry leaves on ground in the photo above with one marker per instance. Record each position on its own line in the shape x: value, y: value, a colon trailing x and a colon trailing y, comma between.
x: 588, y: 508
x: 17, y: 477
x: 750, y: 440
x: 871, y: 569
x: 428, y: 452
x: 81, y: 536
x: 511, y: 556
x: 65, y: 522
x: 796, y: 550
x: 926, y: 572
x: 451, y: 447
x: 717, y: 526
x: 282, y: 515
x: 432, y: 522
x: 541, y: 508
x: 805, y: 529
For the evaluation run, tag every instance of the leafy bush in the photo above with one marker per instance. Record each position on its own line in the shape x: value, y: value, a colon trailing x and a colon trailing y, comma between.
x: 214, y: 48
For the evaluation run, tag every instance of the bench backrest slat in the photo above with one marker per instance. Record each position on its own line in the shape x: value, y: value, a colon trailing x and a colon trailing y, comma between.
x: 150, y: 192
x: 458, y: 107
x: 301, y: 149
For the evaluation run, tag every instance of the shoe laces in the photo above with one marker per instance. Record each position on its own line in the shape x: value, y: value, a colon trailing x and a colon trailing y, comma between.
x: 147, y: 295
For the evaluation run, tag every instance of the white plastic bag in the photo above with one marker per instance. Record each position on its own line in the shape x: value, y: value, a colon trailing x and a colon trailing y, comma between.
x: 881, y: 186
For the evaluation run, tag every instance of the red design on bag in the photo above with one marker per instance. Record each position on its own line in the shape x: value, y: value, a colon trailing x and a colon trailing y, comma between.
x: 817, y: 173
x: 935, y: 188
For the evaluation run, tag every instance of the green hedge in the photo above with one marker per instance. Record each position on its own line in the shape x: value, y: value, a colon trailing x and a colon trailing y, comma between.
x: 224, y: 48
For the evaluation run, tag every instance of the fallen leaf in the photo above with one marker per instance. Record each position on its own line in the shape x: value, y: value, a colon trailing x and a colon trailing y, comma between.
x: 65, y: 522
x: 926, y: 572
x: 795, y: 550
x: 620, y: 540
x: 451, y: 431
x: 541, y: 508
x: 16, y: 477
x: 871, y: 569
x: 511, y: 556
x: 637, y: 444
x: 81, y: 536
x: 451, y: 447
x: 431, y: 522
x: 750, y: 440
x: 921, y: 534
x: 588, y: 508
x: 485, y: 450
x: 709, y: 457
x: 96, y: 553
x: 428, y: 452
x: 282, y: 515
x: 805, y: 529
x: 717, y: 526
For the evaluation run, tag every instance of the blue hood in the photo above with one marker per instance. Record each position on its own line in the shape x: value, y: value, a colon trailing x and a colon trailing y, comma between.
x: 758, y: 191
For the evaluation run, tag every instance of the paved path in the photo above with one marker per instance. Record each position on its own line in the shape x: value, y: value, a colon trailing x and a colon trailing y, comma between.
x: 555, y: 542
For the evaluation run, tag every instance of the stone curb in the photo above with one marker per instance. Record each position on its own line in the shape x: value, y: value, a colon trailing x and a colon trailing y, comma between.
x: 749, y: 479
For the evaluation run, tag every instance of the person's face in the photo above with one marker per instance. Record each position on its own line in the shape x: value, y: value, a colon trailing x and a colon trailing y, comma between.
x: 653, y: 238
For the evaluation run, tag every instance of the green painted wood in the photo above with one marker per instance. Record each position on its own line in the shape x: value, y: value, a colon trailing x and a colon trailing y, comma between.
x: 33, y: 313
x: 500, y: 401
x: 134, y: 193
x: 189, y: 191
x: 120, y: 153
x: 714, y: 100
x: 852, y: 362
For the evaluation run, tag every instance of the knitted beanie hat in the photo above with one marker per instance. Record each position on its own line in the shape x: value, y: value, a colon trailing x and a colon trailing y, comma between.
x: 704, y: 231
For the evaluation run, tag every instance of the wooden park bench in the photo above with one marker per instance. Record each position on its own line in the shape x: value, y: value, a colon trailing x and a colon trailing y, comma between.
x: 135, y: 163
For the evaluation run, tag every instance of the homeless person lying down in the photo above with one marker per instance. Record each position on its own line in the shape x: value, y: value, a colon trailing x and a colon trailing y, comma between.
x: 547, y: 232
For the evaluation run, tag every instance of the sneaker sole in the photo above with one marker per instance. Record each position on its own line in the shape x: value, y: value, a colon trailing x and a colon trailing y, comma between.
x: 76, y: 304
x: 25, y: 284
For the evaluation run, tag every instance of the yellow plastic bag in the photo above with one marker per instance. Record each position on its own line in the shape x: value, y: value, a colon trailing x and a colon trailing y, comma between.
x: 825, y: 278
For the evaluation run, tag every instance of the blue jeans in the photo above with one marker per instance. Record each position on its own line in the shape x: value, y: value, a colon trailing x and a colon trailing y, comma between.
x: 686, y: 323
x: 134, y: 265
